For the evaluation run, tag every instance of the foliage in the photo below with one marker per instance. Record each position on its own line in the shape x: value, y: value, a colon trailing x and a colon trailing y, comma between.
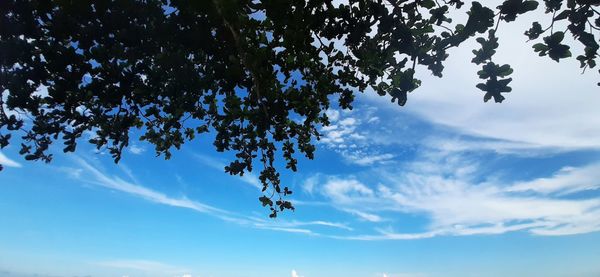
x: 258, y: 74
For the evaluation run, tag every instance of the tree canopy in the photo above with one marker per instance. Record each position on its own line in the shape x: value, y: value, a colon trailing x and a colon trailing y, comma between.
x: 259, y: 74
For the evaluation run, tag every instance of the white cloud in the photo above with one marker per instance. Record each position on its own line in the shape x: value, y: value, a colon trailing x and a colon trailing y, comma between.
x: 72, y: 172
x: 461, y: 209
x: 324, y: 223
x: 346, y: 190
x: 339, y: 133
x: 287, y: 229
x: 136, y: 149
x: 295, y: 226
x: 374, y: 119
x: 145, y: 267
x: 6, y: 161
x: 515, y: 148
x: 295, y: 274
x: 360, y: 158
x: 565, y: 181
x: 456, y: 202
x: 349, y: 135
x: 446, y: 184
x: 217, y: 164
x: 332, y: 114
x: 349, y: 121
x: 365, y: 216
x: 551, y: 105
x: 310, y: 183
x: 546, y: 114
x: 116, y: 183
x: 345, y: 193
x: 92, y: 175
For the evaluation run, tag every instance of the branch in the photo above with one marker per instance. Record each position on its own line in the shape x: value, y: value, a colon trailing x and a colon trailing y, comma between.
x: 243, y: 58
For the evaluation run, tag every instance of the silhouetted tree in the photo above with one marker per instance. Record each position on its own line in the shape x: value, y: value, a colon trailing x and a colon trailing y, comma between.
x: 260, y: 74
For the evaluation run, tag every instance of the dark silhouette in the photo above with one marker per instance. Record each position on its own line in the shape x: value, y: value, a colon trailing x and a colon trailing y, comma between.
x: 259, y: 74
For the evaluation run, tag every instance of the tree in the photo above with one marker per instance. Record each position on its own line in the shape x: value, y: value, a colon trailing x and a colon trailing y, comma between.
x: 259, y: 74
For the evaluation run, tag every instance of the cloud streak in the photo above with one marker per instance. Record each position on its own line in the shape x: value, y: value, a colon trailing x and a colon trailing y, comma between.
x: 216, y: 164
x: 456, y: 203
x: 349, y: 135
x: 145, y: 266
x: 6, y: 161
x: 295, y: 274
x: 551, y: 105
x: 566, y: 181
x: 90, y: 174
x: 116, y: 183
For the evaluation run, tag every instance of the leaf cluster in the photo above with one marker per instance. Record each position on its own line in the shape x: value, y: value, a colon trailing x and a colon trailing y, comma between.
x: 257, y: 74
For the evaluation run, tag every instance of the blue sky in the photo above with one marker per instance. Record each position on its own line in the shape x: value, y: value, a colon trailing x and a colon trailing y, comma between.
x: 447, y: 186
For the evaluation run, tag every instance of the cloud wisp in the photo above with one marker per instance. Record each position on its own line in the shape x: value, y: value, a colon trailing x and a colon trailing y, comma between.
x: 551, y: 105
x: 146, y: 267
x: 295, y: 274
x: 456, y: 203
x: 566, y: 181
x: 216, y: 164
x: 348, y: 135
x: 90, y: 174
x: 136, y: 149
x: 101, y: 179
x: 6, y: 161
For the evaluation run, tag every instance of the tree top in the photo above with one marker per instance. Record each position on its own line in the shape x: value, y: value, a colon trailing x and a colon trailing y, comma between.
x: 260, y: 75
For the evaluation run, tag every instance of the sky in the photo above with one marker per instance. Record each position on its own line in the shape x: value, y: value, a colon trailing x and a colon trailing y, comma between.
x: 445, y: 186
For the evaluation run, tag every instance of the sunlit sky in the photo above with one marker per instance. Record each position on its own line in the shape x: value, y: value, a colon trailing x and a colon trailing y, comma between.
x: 446, y: 186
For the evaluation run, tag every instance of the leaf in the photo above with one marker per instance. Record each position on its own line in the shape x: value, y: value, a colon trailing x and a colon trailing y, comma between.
x: 399, y: 95
x: 31, y: 157
x: 540, y: 47
x: 265, y: 201
x: 511, y: 8
x: 528, y: 6
x: 428, y: 4
x: 487, y: 50
x: 562, y: 15
x: 535, y: 31
x: 4, y: 140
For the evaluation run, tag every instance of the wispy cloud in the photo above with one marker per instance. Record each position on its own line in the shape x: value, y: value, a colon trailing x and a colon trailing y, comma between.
x: 217, y: 164
x: 6, y: 161
x: 565, y: 181
x: 90, y: 174
x: 295, y: 274
x: 349, y: 136
x: 361, y: 157
x: 296, y: 226
x: 116, y: 183
x: 446, y: 183
x: 460, y: 144
x: 145, y: 267
x: 366, y: 140
x: 136, y: 149
x: 343, y: 193
x: 320, y: 223
x: 551, y: 105
x: 371, y: 217
x: 456, y: 202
